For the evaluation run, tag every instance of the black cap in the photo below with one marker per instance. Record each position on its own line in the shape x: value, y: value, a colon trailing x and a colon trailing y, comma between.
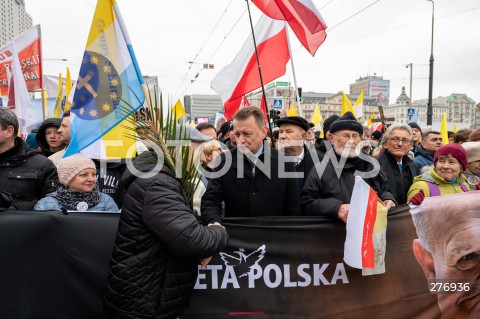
x: 347, y: 122
x: 326, y: 124
x: 294, y: 120
x: 377, y: 135
x: 415, y: 125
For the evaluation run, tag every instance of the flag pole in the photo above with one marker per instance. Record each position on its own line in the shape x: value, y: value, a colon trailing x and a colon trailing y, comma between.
x: 294, y: 77
x: 42, y: 80
x: 121, y: 23
x: 264, y: 96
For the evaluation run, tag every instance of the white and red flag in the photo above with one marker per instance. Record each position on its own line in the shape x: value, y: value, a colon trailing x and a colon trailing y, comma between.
x: 302, y: 16
x: 359, y: 248
x: 29, y: 54
x: 241, y: 75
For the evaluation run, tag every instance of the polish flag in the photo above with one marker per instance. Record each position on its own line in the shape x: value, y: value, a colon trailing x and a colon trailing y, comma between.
x: 302, y: 16
x: 359, y: 248
x: 241, y: 75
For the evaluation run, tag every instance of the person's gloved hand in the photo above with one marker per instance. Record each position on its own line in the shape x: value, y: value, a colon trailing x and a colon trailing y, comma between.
x: 418, y: 198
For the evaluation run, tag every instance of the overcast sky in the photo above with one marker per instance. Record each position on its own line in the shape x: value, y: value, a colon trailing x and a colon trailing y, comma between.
x: 169, y: 34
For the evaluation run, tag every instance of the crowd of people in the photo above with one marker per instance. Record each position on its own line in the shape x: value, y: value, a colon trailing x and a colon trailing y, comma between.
x: 244, y: 173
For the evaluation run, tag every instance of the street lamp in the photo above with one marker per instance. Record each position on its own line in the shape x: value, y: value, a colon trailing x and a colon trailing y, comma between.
x: 55, y: 59
x: 411, y: 73
x: 430, y: 81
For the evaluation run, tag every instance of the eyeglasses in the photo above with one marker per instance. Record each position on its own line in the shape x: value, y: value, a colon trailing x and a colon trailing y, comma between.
x: 396, y: 140
x: 346, y: 136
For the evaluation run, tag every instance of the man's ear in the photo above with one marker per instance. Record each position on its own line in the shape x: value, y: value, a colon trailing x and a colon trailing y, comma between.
x: 425, y: 259
x: 264, y: 131
x: 304, y: 135
x: 10, y: 131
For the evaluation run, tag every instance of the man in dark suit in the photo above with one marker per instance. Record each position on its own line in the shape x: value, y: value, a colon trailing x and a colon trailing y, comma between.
x: 292, y: 135
x: 251, y: 179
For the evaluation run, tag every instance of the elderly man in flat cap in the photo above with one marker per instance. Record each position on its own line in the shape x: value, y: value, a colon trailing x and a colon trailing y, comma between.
x: 291, y: 136
x: 328, y: 191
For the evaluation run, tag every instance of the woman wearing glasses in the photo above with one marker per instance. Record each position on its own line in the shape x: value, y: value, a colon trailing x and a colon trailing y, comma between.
x: 446, y: 177
x: 397, y: 166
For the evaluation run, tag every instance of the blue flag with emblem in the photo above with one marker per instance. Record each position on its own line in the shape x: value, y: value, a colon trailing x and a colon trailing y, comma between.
x: 109, y: 84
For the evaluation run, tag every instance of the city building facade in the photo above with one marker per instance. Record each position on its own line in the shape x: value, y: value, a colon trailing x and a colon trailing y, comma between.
x: 202, y: 107
x: 14, y: 19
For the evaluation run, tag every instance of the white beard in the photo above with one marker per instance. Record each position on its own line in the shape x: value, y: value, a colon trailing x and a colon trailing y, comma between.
x: 348, y: 150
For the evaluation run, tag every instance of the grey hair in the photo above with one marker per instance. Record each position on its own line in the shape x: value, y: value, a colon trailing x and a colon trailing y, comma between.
x: 395, y: 127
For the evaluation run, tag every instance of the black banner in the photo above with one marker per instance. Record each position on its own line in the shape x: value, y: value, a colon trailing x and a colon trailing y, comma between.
x: 56, y: 266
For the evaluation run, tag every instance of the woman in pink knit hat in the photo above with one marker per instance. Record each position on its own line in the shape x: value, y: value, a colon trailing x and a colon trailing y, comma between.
x: 78, y: 190
x: 446, y: 177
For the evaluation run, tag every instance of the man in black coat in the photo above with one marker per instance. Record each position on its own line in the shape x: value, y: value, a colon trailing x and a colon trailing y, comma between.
x: 159, y: 243
x: 25, y: 175
x: 292, y: 135
x: 395, y: 164
x: 251, y: 180
x: 325, y: 192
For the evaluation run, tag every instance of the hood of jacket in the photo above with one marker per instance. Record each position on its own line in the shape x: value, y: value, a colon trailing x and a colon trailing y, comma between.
x: 41, y: 138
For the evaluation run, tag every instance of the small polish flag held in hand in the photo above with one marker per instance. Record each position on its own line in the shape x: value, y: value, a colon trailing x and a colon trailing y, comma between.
x: 365, y: 242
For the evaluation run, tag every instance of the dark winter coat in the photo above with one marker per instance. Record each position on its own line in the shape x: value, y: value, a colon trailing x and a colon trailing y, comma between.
x: 307, y: 163
x: 323, y: 195
x: 25, y: 177
x: 42, y: 138
x: 155, y: 258
x: 251, y: 195
x: 108, y: 179
x: 399, y: 182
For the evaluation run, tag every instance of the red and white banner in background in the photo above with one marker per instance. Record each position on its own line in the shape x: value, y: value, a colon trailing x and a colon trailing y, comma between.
x: 302, y: 16
x: 29, y: 53
x: 241, y: 75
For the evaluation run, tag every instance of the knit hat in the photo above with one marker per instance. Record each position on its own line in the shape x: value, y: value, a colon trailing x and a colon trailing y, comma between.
x: 454, y: 150
x: 347, y: 122
x: 415, y: 125
x: 70, y: 166
x: 294, y: 120
x: 473, y: 151
x: 328, y: 122
x: 474, y: 136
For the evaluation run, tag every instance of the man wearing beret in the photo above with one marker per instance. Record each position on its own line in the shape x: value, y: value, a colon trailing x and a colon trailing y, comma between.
x: 328, y: 194
x: 292, y: 135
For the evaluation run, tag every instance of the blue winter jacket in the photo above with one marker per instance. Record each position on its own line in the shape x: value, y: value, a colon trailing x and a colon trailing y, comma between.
x: 106, y: 203
x: 422, y: 158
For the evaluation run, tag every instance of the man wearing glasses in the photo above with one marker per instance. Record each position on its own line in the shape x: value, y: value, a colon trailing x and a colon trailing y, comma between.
x: 397, y: 166
x: 431, y: 142
x: 328, y: 192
